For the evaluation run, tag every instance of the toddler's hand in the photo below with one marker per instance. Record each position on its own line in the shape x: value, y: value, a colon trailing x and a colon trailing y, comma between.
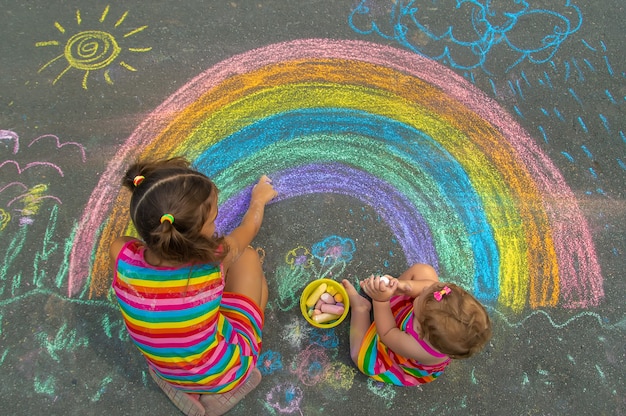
x: 380, y: 288
x: 263, y: 191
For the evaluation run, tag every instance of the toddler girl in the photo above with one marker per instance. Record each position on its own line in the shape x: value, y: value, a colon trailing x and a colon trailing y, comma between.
x: 419, y: 325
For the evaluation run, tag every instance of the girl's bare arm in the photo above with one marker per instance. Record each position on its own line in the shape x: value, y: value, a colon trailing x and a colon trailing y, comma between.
x: 243, y: 235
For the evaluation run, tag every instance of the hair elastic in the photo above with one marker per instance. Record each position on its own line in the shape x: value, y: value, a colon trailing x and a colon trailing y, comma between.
x: 167, y: 217
x: 441, y: 293
x: 138, y: 179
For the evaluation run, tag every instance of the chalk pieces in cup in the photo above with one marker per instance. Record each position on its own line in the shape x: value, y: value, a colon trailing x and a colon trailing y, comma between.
x: 324, y: 303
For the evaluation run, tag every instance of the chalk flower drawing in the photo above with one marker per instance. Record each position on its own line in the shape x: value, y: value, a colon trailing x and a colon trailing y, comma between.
x: 92, y: 50
x: 299, y: 256
x: 333, y: 250
x: 291, y: 281
x: 23, y: 199
x: 285, y: 398
x: 464, y: 33
x: 31, y: 201
x: 324, y: 338
x: 269, y: 362
x: 333, y: 254
x: 340, y: 376
x: 311, y: 365
x: 5, y: 218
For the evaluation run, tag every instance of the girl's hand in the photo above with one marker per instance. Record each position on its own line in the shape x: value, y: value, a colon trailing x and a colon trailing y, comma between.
x: 380, y: 290
x: 404, y: 287
x: 263, y: 191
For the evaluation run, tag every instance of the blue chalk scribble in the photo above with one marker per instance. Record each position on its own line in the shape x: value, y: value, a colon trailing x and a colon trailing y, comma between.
x: 269, y: 362
x: 326, y: 338
x: 334, y: 249
x: 464, y: 33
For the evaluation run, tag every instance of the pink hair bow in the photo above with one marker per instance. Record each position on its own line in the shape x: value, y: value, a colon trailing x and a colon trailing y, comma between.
x: 441, y: 293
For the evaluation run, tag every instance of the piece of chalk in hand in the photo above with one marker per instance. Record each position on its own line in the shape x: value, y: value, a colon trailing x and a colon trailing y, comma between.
x: 385, y: 280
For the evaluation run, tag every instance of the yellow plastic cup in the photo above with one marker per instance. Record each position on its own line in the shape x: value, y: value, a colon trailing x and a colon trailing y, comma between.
x: 310, y: 288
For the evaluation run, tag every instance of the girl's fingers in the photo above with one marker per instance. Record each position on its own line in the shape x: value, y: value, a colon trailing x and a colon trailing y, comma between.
x: 366, y: 289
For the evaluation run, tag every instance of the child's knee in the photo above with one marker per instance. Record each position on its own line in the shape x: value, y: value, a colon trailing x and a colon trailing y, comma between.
x: 246, y: 276
x: 250, y: 254
x: 247, y: 260
x: 422, y: 270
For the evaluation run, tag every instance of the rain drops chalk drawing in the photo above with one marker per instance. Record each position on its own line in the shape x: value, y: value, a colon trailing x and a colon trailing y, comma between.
x: 465, y: 33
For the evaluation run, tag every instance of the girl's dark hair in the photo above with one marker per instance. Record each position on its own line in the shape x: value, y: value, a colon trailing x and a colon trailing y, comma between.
x: 170, y: 186
x: 458, y: 325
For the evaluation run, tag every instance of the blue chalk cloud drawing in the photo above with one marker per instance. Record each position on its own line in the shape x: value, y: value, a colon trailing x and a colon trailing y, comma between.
x: 470, y: 34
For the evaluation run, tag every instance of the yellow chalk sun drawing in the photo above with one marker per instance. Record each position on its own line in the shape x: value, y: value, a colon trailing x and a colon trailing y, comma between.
x: 92, y: 50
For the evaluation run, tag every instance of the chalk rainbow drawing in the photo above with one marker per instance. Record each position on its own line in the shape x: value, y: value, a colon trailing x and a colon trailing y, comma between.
x: 460, y: 184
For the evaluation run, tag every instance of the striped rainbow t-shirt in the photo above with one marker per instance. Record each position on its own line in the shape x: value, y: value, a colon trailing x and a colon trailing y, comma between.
x: 174, y: 317
x: 382, y: 364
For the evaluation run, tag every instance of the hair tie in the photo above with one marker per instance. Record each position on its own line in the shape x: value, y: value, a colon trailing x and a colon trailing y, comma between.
x: 167, y: 217
x: 138, y: 179
x: 441, y: 293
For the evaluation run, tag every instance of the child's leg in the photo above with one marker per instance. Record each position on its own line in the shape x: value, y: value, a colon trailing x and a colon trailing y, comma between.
x: 246, y: 276
x: 359, y: 319
x: 415, y: 279
x: 419, y: 271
